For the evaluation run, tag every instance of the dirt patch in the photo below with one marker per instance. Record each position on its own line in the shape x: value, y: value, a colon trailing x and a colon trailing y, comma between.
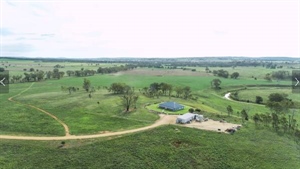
x: 165, y: 72
x: 211, y: 125
x: 176, y: 143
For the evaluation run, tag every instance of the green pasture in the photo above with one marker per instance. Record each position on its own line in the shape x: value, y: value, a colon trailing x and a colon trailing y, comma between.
x: 251, y: 92
x: 163, y: 147
x: 84, y: 115
x: 16, y: 67
x: 246, y: 72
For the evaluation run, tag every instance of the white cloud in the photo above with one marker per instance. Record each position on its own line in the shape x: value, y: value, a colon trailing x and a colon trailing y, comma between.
x: 153, y: 28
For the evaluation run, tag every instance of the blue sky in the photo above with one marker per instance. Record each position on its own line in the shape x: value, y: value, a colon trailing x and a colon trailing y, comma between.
x: 150, y: 28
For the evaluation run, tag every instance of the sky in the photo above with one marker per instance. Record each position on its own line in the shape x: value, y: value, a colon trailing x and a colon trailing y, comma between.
x: 144, y: 28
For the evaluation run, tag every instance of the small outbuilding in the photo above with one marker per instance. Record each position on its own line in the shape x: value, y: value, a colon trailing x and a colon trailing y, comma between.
x: 186, y: 118
x: 173, y: 106
x: 199, y: 118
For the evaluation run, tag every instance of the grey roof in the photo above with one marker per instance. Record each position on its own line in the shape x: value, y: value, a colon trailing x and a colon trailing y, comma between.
x: 186, y: 116
x: 171, y: 105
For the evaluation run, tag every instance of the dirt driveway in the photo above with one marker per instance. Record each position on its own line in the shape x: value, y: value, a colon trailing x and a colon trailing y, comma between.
x: 164, y: 120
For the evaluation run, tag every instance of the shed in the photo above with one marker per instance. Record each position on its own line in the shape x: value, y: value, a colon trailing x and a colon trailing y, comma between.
x: 186, y: 118
x: 199, y: 117
x: 171, y: 106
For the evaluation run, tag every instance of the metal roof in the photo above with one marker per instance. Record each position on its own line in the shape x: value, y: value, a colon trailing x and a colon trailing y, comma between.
x: 171, y: 105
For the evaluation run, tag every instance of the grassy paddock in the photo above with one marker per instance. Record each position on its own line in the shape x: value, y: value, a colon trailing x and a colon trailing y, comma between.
x: 163, y: 147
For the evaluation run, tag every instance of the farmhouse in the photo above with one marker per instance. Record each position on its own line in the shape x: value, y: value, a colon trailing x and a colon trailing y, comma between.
x: 171, y: 106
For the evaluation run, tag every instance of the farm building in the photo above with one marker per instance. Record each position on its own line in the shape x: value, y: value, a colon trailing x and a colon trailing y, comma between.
x: 171, y: 106
x: 188, y: 117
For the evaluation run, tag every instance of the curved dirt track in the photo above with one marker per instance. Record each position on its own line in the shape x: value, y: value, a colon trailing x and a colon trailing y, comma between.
x: 164, y: 119
x: 67, y: 130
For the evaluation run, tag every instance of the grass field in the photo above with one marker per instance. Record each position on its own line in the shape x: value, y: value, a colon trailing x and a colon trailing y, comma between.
x: 84, y: 115
x: 163, y: 147
x: 264, y: 92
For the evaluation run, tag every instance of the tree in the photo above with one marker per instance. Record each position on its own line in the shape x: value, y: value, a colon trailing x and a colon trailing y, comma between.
x: 258, y: 100
x: 234, y: 75
x: 40, y: 75
x: 86, y: 84
x: 229, y: 110
x: 279, y: 103
x: 277, y: 97
x: 179, y: 91
x: 71, y: 89
x: 275, y: 121
x: 49, y: 75
x: 70, y: 72
x: 117, y: 88
x: 244, y: 115
x: 216, y: 83
x: 256, y: 119
x: 186, y: 92
x: 129, y: 98
x: 284, y: 123
x: 55, y: 73
x: 268, y: 77
x: 206, y: 69
x: 191, y: 110
x: 2, y: 69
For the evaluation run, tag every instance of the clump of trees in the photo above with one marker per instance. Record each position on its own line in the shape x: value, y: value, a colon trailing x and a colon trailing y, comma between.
x: 56, y: 74
x: 105, y: 70
x: 280, y: 123
x: 165, y: 89
x: 158, y: 89
x: 281, y: 75
x: 16, y: 78
x: 279, y: 103
x: 268, y: 77
x: 118, y: 88
x: 221, y: 73
x: 278, y: 75
x: 36, y: 76
x: 81, y: 73
x: 59, y: 66
x: 70, y: 89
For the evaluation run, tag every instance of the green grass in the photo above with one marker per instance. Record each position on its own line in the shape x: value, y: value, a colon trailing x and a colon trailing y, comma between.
x: 264, y: 92
x: 163, y: 147
x: 84, y: 115
x: 247, y: 72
